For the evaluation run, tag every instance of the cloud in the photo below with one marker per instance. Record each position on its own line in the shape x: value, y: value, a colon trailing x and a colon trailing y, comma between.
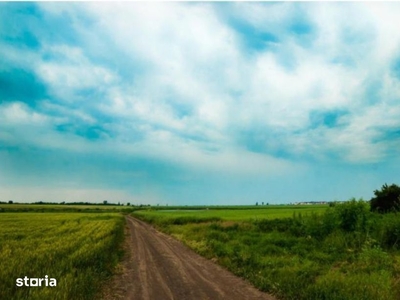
x: 71, y: 71
x: 228, y: 89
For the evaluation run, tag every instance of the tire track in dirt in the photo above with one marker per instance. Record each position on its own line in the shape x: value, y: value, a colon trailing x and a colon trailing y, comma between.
x: 157, y: 266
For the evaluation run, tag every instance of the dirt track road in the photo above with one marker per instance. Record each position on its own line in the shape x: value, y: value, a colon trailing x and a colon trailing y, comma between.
x: 158, y: 267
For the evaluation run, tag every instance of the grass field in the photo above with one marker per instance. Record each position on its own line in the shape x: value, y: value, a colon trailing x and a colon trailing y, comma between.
x: 301, y: 252
x: 21, y: 207
x: 230, y: 213
x: 293, y: 252
x: 79, y: 250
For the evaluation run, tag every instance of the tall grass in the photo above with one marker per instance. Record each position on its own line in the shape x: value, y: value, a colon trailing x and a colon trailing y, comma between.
x: 78, y: 250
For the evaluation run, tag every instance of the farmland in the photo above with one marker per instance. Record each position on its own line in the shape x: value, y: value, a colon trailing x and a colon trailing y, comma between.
x: 306, y: 252
x: 293, y: 252
x: 229, y: 213
x: 21, y: 207
x: 79, y: 250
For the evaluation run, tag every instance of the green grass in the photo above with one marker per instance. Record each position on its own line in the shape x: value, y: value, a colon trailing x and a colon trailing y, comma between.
x: 297, y: 252
x: 21, y: 207
x: 232, y: 213
x: 79, y: 250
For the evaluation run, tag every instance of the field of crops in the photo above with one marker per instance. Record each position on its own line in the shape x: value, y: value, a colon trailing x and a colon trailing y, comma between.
x: 230, y: 213
x: 79, y: 250
x: 302, y: 252
x: 23, y: 207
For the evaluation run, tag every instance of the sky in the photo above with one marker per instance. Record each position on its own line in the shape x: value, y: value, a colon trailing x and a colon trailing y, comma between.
x: 198, y: 103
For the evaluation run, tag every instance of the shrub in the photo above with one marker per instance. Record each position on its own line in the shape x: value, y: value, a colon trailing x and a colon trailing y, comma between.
x: 390, y: 232
x: 353, y: 215
x: 387, y: 199
x: 337, y: 285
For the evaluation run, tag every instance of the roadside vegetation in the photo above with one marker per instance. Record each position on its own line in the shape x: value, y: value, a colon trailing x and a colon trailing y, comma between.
x: 348, y: 250
x: 79, y: 250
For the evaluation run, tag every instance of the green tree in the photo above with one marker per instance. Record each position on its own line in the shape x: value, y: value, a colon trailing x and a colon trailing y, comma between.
x: 387, y: 199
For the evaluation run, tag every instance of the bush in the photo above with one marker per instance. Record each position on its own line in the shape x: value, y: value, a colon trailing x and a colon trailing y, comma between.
x: 336, y: 285
x: 349, y: 217
x: 390, y: 232
x: 353, y: 215
x: 387, y: 199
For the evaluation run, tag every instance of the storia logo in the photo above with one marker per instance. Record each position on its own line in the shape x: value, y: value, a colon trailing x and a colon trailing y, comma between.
x: 46, y: 281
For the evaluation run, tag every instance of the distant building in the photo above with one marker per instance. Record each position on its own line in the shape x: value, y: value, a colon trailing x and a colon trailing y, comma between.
x: 311, y: 202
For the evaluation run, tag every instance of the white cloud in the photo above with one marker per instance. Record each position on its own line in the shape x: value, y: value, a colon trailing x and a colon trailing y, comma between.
x: 23, y: 126
x: 194, y: 86
x: 72, y: 71
x: 19, y: 113
x: 176, y: 85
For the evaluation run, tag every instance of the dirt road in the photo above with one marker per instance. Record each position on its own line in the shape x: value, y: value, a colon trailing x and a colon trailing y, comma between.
x: 159, y: 267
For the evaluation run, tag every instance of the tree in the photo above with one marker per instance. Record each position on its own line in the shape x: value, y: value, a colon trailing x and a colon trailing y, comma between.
x: 387, y: 199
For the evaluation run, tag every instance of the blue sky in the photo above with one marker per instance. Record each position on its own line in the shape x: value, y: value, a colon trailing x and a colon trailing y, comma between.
x: 198, y: 103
